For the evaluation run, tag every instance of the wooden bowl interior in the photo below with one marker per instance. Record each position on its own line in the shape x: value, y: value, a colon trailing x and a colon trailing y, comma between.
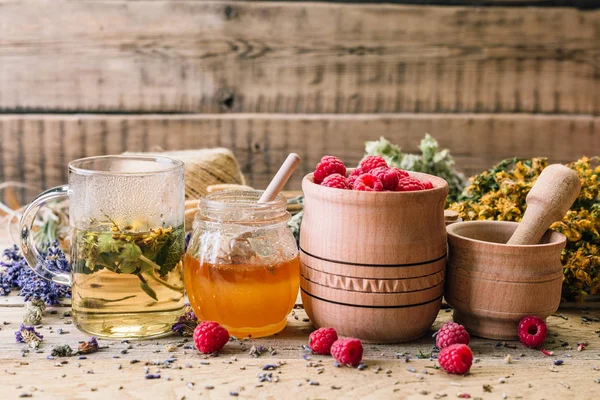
x: 495, y: 232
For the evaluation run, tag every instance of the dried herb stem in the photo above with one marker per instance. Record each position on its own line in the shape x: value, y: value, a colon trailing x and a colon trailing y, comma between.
x: 165, y: 283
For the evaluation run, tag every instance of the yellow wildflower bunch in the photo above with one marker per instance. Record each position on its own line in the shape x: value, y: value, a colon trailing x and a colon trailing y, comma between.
x: 499, y: 194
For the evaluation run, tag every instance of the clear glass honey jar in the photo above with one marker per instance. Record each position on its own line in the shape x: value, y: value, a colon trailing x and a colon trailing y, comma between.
x: 241, y: 268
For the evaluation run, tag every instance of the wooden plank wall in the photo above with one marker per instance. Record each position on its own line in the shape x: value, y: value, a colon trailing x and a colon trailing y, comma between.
x: 93, y: 77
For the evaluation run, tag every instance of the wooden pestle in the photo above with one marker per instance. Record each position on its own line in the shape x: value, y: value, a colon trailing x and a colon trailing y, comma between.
x: 550, y: 198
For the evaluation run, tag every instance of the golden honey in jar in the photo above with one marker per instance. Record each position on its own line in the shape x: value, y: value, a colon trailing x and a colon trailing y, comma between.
x: 242, y: 268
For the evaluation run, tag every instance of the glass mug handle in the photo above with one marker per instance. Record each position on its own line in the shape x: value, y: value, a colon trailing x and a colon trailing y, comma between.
x: 30, y: 252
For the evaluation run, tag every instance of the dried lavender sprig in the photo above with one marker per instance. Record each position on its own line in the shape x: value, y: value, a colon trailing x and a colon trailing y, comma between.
x: 88, y: 347
x: 28, y: 334
x: 13, y: 264
x: 186, y: 323
x: 186, y: 241
x: 17, y: 274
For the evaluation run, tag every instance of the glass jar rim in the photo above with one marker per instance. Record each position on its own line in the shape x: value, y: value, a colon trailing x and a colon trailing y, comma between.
x: 169, y: 165
x: 229, y: 201
x: 215, y: 200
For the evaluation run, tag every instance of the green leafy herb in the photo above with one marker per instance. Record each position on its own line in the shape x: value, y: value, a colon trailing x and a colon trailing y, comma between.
x: 170, y: 253
x: 106, y: 243
x: 146, y: 288
x: 130, y: 252
x: 422, y: 355
x: 431, y: 161
x: 62, y: 351
x: 152, y: 254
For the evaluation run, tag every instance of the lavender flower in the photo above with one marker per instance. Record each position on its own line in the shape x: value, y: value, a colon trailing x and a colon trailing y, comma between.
x: 88, y: 347
x: 5, y: 287
x: 186, y: 323
x: 55, y: 258
x: 13, y: 264
x: 188, y: 236
x: 17, y: 274
x: 28, y: 334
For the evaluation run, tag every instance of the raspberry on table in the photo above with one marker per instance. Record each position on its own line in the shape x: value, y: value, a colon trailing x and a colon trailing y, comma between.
x: 532, y: 331
x: 328, y: 165
x: 320, y: 341
x: 451, y: 333
x: 335, y: 181
x: 371, y: 162
x: 209, y: 337
x: 368, y: 183
x: 456, y: 359
x: 409, y: 184
x: 389, y: 177
x: 347, y: 351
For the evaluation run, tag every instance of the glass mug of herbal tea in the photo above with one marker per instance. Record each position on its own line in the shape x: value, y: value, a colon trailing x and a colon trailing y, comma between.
x: 241, y: 268
x: 127, y: 239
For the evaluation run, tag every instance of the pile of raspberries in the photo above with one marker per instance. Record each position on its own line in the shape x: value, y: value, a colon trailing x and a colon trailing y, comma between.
x: 372, y: 175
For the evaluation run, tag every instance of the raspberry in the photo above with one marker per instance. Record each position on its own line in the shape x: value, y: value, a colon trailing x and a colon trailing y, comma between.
x: 209, y: 337
x: 427, y: 184
x: 456, y: 359
x: 320, y: 341
x: 368, y: 183
x: 347, y: 351
x: 356, y: 173
x: 451, y: 333
x: 352, y: 177
x: 532, y: 331
x: 389, y: 177
x: 328, y: 165
x: 335, y: 181
x: 372, y: 162
x: 409, y: 184
x: 350, y: 182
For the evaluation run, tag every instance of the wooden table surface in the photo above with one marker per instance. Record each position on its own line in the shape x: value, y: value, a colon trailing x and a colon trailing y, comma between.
x: 111, y: 374
x: 393, y: 371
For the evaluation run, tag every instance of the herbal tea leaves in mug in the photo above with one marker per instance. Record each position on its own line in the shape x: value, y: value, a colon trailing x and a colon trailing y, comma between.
x: 146, y: 255
x: 110, y: 262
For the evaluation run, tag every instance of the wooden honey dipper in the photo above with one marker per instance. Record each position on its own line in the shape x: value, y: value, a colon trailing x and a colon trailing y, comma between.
x: 239, y: 249
x: 280, y: 179
x: 550, y: 198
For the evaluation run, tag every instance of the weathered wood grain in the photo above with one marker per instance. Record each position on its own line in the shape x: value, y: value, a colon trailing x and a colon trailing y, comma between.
x: 516, y: 3
x: 531, y: 375
x: 296, y: 57
x: 36, y: 148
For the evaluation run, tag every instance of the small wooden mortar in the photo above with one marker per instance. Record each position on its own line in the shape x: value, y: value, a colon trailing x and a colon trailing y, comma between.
x: 492, y: 285
x: 499, y: 272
